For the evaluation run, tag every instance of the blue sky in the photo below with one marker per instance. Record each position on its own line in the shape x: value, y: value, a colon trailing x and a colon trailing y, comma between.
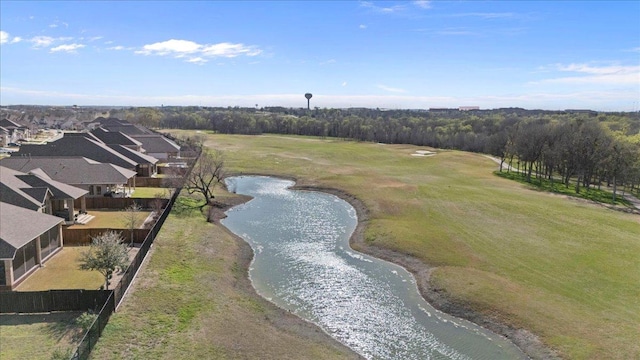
x: 415, y: 54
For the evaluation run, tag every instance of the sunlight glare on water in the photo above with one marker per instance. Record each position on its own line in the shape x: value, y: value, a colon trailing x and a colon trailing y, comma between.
x: 303, y: 263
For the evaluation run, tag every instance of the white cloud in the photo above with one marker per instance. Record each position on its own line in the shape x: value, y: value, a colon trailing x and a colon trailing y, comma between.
x: 5, y: 38
x: 362, y: 26
x: 230, y: 50
x: 423, y: 4
x: 382, y: 9
x: 42, y: 41
x: 184, y: 48
x: 344, y: 83
x: 170, y: 47
x: 590, y: 74
x: 53, y: 26
x: 391, y: 89
x: 198, y: 60
x: 69, y: 48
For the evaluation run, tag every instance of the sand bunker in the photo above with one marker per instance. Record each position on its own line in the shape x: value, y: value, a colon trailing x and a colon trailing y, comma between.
x: 423, y: 153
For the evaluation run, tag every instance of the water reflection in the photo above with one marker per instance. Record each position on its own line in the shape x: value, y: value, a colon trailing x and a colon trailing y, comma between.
x: 303, y: 263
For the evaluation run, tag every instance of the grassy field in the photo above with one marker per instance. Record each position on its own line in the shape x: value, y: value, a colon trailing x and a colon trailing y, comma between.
x: 193, y: 300
x: 37, y: 336
x: 566, y: 269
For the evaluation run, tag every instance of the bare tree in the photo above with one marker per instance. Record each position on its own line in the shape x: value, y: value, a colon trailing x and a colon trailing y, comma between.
x: 132, y: 218
x: 206, y: 174
x: 106, y: 254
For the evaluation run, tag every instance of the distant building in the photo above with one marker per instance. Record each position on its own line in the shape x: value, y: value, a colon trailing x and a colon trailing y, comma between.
x: 468, y: 108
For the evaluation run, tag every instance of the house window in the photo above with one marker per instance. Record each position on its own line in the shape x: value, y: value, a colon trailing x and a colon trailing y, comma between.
x: 98, y: 190
x: 91, y: 190
x: 3, y: 276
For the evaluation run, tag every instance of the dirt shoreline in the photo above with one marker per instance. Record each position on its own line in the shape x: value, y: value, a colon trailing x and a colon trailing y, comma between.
x: 522, y: 338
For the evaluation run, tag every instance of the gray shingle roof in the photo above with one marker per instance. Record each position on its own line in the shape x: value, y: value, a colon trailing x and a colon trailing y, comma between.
x: 71, y: 170
x: 157, y: 143
x: 78, y: 146
x: 29, y: 190
x: 60, y: 190
x: 114, y: 137
x: 136, y: 156
x: 18, y: 226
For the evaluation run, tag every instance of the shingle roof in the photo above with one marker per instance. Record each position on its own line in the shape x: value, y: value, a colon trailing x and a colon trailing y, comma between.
x: 6, y: 123
x: 128, y: 129
x: 11, y: 190
x: 114, y: 137
x: 18, y: 226
x: 137, y: 156
x: 78, y: 146
x: 71, y: 170
x: 29, y: 190
x: 60, y: 190
x: 156, y: 143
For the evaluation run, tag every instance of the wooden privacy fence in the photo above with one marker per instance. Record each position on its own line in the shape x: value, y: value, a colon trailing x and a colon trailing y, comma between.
x: 164, y: 182
x: 52, y: 300
x: 119, y: 203
x: 82, y: 237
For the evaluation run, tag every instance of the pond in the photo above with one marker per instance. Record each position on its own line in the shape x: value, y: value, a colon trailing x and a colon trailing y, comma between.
x: 303, y: 263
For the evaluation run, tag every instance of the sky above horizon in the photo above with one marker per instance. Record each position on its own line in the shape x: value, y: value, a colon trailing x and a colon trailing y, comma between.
x: 413, y: 55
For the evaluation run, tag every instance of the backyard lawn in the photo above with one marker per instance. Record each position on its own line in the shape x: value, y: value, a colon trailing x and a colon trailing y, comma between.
x: 108, y: 219
x: 62, y: 272
x: 152, y: 192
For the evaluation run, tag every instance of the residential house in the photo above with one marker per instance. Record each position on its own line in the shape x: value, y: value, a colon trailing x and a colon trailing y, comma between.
x: 27, y: 239
x: 158, y: 146
x: 95, y: 177
x: 5, y: 136
x: 87, y: 145
x: 37, y: 192
x: 29, y: 232
x: 15, y: 131
x: 116, y: 137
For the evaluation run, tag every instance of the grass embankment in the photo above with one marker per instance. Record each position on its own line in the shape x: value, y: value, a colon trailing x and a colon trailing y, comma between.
x: 566, y: 269
x: 193, y: 300
x: 593, y: 193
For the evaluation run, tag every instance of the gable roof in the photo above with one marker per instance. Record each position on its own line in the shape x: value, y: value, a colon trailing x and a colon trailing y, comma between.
x: 12, y: 190
x: 136, y: 156
x: 18, y: 226
x: 78, y: 146
x: 114, y: 137
x: 9, y: 124
x: 58, y: 189
x: 156, y: 143
x: 129, y: 129
x: 30, y: 190
x: 71, y: 170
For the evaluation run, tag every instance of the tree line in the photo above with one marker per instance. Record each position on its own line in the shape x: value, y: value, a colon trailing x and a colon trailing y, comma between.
x: 578, y: 148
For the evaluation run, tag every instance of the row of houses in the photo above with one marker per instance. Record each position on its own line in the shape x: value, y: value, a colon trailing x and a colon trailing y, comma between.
x: 12, y: 132
x: 41, y: 187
